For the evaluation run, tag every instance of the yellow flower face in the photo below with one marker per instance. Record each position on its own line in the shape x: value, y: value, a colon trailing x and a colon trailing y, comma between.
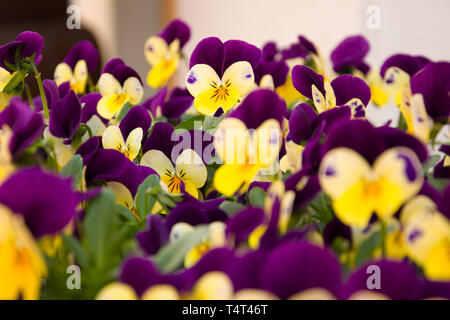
x: 189, y: 170
x: 163, y: 58
x: 415, y: 114
x: 115, y: 96
x: 21, y: 263
x: 112, y: 139
x: 211, y: 92
x: 77, y: 77
x: 244, y: 153
x: 5, y: 76
x: 358, y: 189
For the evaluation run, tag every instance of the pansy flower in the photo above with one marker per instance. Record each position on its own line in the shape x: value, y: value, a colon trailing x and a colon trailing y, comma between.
x: 5, y: 77
x: 65, y: 116
x: 349, y: 55
x: 344, y: 90
x: 271, y: 74
x: 132, y: 127
x: 81, y: 60
x: 247, y: 142
x: 221, y: 73
x: 359, y: 187
x: 119, y: 84
x: 30, y: 44
x: 163, y: 52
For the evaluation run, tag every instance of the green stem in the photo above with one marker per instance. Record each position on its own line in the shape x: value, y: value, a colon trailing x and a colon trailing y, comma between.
x: 383, y: 237
x: 30, y: 98
x: 37, y: 74
x: 89, y: 131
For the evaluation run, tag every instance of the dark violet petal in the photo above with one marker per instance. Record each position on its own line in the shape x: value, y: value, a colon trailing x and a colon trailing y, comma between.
x: 245, y: 271
x: 219, y: 259
x: 177, y: 106
x: 332, y: 117
x: 439, y: 170
x: 238, y: 50
x: 26, y: 125
x: 295, y: 267
x: 398, y: 280
x: 65, y: 116
x: 308, y: 45
x: 157, y: 101
x: 160, y: 139
x: 51, y: 93
x: 347, y: 87
x: 306, y: 194
x: 139, y: 273
x: 106, y: 164
x: 260, y: 184
x: 176, y: 29
x: 259, y: 106
x: 410, y: 64
x: 89, y: 148
x: 295, y: 50
x: 210, y: 51
x: 200, y: 141
x: 131, y: 176
x: 137, y: 117
x: 46, y: 201
x: 277, y: 69
x: 83, y: 50
x: 433, y: 82
x: 303, y: 77
x: 431, y: 289
x: 111, y: 64
x: 268, y: 52
x: 31, y: 42
x: 300, y: 122
x: 358, y: 135
x: 241, y: 225
x: 154, y: 236
x: 335, y: 228
x: 122, y: 72
x: 349, y: 53
x: 394, y: 137
x: 189, y: 212
x: 89, y: 109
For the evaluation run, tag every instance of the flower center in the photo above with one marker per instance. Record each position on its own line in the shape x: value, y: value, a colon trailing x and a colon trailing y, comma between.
x: 221, y: 91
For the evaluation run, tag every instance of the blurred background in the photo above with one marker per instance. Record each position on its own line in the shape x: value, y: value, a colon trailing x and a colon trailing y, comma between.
x: 120, y: 27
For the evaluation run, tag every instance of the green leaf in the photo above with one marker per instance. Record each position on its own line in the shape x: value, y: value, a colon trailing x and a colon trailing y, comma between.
x: 256, y: 197
x: 98, y: 227
x: 367, y: 248
x: 74, y: 169
x: 145, y: 196
x: 191, y: 123
x: 171, y: 256
x: 74, y: 245
x: 126, y: 213
x: 15, y: 81
x: 231, y: 208
x: 431, y: 162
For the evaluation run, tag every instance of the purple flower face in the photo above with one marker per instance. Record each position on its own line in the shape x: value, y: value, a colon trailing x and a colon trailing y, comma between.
x: 83, y: 50
x: 176, y: 29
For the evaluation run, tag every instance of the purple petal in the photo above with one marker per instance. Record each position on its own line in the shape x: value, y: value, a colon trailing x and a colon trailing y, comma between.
x: 26, y: 125
x: 154, y: 236
x: 157, y: 101
x: 349, y: 53
x: 269, y: 51
x: 294, y: 267
x: 347, y: 87
x: 238, y: 50
x: 176, y: 29
x: 83, y: 50
x: 160, y: 139
x: 259, y: 106
x: 46, y: 201
x: 139, y: 273
x: 300, y: 122
x: 137, y: 117
x: 65, y: 116
x: 31, y: 42
x: 410, y: 64
x: 90, y: 101
x: 304, y: 77
x: 106, y: 164
x: 210, y: 51
x: 277, y: 69
x: 433, y: 82
x: 89, y: 148
x: 241, y: 225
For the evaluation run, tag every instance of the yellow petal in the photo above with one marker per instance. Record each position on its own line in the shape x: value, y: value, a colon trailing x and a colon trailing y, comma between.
x: 161, y: 292
x: 161, y: 72
x: 213, y: 285
x: 190, y: 167
x: 133, y: 89
x: 200, y: 78
x: 133, y: 143
x: 229, y: 178
x: 117, y: 291
x: 318, y: 99
x: 419, y: 118
x: 329, y: 95
x: 240, y: 76
x: 109, y: 106
x: 108, y: 85
x: 80, y: 77
x: 400, y: 177
x: 267, y: 82
x: 63, y: 73
x: 155, y: 50
x: 437, y: 263
x: 112, y: 139
x: 121, y: 193
x: 232, y: 141
x: 268, y: 138
x: 158, y: 161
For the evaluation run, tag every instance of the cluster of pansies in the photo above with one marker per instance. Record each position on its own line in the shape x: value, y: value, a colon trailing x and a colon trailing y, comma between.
x: 262, y: 177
